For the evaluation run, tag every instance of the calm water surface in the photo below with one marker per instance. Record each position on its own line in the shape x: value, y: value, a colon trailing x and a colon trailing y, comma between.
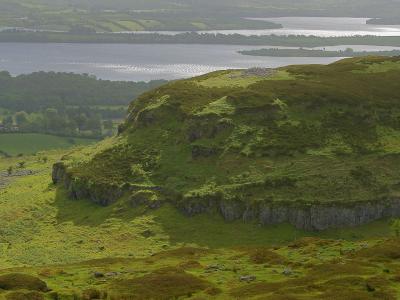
x: 134, y: 62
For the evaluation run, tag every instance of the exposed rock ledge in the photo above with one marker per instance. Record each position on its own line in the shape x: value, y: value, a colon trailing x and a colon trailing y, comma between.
x: 315, y: 217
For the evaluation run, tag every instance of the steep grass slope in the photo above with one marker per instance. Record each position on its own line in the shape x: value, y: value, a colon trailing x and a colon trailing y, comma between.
x: 317, y: 146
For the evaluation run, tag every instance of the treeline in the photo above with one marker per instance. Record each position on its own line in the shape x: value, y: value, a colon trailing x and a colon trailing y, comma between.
x: 67, y: 122
x: 274, y: 52
x: 196, y: 38
x: 41, y: 90
x: 65, y: 104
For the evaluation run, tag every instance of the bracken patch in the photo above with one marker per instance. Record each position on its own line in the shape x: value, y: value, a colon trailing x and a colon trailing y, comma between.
x: 167, y: 283
x: 22, y: 281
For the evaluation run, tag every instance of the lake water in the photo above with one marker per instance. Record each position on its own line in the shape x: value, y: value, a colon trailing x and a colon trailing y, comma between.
x: 317, y: 26
x: 141, y: 62
x: 134, y: 62
x: 147, y: 62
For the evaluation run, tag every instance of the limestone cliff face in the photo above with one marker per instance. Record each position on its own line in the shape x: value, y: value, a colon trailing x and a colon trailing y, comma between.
x: 315, y: 217
x: 79, y: 188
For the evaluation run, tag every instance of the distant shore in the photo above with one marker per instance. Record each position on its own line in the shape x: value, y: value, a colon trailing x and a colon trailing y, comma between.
x: 195, y: 38
x: 316, y: 53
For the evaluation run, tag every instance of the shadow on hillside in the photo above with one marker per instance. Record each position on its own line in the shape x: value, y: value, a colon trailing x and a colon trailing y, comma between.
x: 204, y: 230
x: 85, y: 212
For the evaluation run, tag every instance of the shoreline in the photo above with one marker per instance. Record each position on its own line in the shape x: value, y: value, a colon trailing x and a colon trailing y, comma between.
x: 196, y: 38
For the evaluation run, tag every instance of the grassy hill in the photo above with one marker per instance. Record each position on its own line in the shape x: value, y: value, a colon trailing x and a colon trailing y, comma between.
x: 123, y: 15
x: 316, y: 146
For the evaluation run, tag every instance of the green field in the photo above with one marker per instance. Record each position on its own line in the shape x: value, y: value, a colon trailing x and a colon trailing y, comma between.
x: 30, y: 143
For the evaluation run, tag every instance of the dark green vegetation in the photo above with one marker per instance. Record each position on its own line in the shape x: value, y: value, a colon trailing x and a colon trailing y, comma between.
x: 316, y: 53
x: 257, y: 144
x: 65, y: 104
x: 196, y: 38
x: 55, y: 248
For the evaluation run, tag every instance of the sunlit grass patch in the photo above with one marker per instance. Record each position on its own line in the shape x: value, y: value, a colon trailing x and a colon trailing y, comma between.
x: 218, y: 107
x: 381, y: 67
x: 243, y: 78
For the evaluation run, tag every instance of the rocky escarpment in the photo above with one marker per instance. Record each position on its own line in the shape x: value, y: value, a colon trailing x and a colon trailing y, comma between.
x: 79, y: 188
x: 311, y: 217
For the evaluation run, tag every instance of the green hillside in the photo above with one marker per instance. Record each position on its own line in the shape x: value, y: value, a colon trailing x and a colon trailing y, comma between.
x: 304, y: 144
x: 85, y: 16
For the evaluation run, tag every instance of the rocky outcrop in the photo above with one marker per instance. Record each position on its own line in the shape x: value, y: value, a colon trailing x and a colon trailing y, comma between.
x: 315, y: 217
x: 79, y: 188
x: 325, y: 216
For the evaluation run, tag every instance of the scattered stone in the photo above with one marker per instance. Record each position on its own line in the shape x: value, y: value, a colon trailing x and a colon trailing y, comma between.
x: 260, y: 72
x: 287, y: 272
x: 248, y: 278
x: 214, y: 268
x: 98, y: 275
x: 147, y: 233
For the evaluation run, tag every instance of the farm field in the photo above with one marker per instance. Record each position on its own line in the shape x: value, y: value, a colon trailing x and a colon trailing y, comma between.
x: 30, y: 143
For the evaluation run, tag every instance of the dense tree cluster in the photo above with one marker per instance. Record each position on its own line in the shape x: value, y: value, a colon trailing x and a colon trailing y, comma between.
x: 65, y: 103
